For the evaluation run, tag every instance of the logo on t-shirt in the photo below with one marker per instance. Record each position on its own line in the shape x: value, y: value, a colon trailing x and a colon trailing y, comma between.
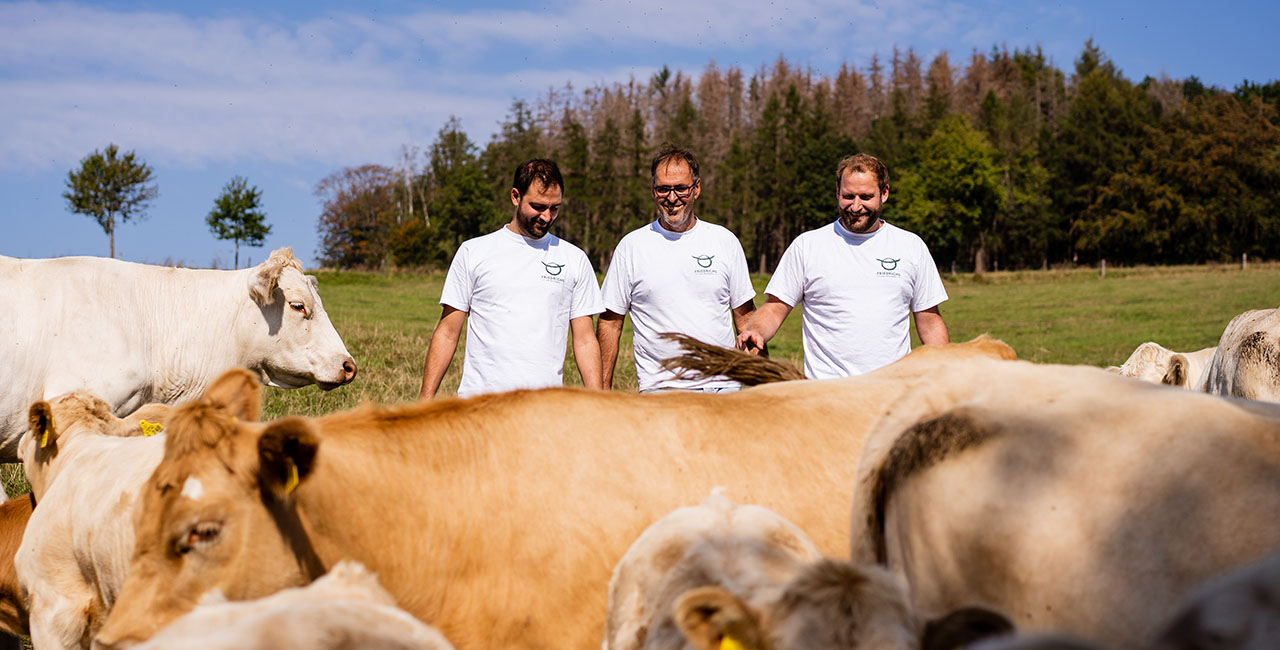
x: 890, y: 266
x: 553, y: 268
x: 704, y: 264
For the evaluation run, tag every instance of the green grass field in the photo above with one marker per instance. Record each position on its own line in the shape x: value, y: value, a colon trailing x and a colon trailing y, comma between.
x: 1075, y: 317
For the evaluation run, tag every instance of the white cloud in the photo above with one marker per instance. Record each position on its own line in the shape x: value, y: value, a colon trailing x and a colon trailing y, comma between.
x: 346, y: 89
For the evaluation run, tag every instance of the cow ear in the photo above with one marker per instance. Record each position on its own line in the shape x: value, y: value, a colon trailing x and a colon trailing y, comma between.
x: 262, y: 284
x: 714, y: 619
x: 238, y: 392
x: 964, y: 627
x: 1176, y: 375
x: 40, y: 419
x: 287, y: 454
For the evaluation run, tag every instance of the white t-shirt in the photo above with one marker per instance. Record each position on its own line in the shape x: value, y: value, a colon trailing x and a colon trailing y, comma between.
x: 858, y: 292
x: 684, y: 282
x: 520, y: 294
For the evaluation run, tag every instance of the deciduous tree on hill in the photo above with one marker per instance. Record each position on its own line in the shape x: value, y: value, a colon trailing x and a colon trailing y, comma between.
x: 237, y: 215
x: 110, y: 187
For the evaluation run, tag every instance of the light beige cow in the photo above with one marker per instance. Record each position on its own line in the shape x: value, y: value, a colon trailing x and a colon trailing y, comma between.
x: 85, y: 467
x: 134, y: 334
x: 497, y: 518
x: 1247, y: 361
x: 747, y: 550
x: 721, y: 570
x: 1066, y: 497
x: 344, y: 609
x: 1157, y: 364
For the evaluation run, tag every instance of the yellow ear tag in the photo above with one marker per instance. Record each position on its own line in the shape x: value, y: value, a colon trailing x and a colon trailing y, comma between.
x: 291, y: 484
x: 729, y: 643
x: 44, y: 437
x: 150, y: 428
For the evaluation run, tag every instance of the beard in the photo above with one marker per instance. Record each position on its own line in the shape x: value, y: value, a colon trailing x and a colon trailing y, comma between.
x: 676, y: 222
x: 861, y: 222
x: 532, y: 228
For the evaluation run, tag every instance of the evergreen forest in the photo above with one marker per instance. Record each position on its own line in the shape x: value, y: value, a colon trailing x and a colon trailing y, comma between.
x: 999, y: 162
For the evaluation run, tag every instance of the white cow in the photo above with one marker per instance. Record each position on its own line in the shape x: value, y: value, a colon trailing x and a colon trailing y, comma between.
x: 1157, y: 364
x: 1247, y: 361
x: 134, y: 334
x: 346, y: 608
x: 1072, y: 500
x: 719, y: 574
x: 85, y: 467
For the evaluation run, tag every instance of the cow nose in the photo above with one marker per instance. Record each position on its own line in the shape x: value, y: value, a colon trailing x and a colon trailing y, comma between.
x: 348, y: 369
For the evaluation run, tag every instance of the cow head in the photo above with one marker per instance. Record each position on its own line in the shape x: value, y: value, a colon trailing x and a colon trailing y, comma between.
x: 54, y: 425
x: 828, y: 605
x: 293, y: 343
x: 218, y: 512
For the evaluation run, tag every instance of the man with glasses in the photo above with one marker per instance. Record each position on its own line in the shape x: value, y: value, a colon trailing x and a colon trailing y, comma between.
x: 858, y: 278
x: 520, y: 290
x: 677, y: 274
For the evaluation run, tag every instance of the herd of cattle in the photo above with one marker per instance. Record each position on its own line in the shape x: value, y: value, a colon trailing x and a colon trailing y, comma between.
x: 956, y: 497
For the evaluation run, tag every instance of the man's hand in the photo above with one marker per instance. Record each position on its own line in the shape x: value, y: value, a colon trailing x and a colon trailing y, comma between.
x: 750, y: 341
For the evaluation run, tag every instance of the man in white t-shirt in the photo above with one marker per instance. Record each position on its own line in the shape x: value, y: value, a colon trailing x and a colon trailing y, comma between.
x: 677, y: 274
x: 520, y: 291
x: 858, y: 279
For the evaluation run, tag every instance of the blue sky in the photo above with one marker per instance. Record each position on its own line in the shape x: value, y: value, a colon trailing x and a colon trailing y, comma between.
x: 285, y: 93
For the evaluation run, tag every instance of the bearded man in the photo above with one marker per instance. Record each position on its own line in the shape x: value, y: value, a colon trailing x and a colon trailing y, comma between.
x: 858, y: 278
x: 678, y: 274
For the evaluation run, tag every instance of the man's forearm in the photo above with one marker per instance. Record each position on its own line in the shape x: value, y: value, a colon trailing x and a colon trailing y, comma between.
x: 608, y: 335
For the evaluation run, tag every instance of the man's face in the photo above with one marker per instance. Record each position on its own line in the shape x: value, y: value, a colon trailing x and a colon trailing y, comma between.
x: 536, y: 209
x: 675, y: 207
x: 861, y: 202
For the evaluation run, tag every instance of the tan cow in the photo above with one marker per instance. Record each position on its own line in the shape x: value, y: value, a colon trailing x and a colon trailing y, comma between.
x: 1157, y: 364
x: 498, y: 518
x: 85, y: 467
x: 344, y: 609
x: 1247, y: 361
x: 721, y: 570
x: 1066, y: 497
x: 14, y: 514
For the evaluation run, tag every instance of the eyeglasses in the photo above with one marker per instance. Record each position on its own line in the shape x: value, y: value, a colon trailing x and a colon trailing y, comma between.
x: 680, y: 190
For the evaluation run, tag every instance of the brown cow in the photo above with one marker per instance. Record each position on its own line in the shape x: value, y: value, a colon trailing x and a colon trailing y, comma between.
x: 1068, y: 498
x: 14, y: 514
x: 497, y: 518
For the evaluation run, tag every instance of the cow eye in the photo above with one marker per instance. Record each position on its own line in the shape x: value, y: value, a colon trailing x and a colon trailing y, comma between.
x: 297, y: 306
x: 199, y: 536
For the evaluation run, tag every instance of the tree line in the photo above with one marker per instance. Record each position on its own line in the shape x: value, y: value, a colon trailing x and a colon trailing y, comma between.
x: 1005, y: 162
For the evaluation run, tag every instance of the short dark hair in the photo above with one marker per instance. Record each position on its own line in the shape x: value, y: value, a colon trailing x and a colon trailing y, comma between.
x: 540, y: 168
x: 668, y: 153
x: 862, y: 162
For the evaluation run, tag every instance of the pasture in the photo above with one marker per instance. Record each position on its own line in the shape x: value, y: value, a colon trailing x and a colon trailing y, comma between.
x: 1073, y: 317
x: 1069, y: 316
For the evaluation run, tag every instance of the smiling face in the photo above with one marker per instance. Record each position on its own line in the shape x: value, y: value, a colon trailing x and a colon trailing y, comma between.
x: 536, y: 209
x: 861, y: 201
x: 675, y: 206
